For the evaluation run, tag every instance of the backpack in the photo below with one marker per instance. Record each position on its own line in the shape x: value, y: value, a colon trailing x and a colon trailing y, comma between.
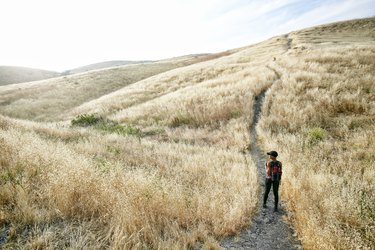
x: 276, y: 170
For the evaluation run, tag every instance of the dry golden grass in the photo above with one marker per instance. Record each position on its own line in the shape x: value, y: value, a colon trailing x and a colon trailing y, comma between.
x: 188, y: 184
x: 119, y: 192
x: 186, y: 180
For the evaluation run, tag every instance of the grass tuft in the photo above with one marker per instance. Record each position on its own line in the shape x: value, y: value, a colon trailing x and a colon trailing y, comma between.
x: 315, y: 135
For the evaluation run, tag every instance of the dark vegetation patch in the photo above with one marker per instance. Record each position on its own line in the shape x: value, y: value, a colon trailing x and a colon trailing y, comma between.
x: 106, y: 125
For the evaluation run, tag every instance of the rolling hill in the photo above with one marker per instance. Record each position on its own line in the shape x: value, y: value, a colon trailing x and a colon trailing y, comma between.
x: 49, y: 99
x: 155, y: 155
x: 11, y: 74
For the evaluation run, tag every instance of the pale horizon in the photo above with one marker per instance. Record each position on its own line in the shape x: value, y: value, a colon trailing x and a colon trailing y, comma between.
x: 62, y: 35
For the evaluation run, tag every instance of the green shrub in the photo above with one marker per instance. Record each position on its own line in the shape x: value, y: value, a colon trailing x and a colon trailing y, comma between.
x: 86, y: 120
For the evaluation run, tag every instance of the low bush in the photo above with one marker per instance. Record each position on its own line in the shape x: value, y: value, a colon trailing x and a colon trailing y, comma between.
x: 87, y: 120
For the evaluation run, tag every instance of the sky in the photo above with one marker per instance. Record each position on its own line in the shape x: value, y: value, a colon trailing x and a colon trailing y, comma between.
x: 63, y: 34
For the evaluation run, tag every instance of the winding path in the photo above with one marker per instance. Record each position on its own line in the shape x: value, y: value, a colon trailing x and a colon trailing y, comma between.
x: 268, y: 229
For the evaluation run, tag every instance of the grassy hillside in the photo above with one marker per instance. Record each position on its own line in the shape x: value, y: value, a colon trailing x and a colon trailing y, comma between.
x: 321, y: 117
x: 11, y: 74
x: 48, y: 99
x: 163, y: 162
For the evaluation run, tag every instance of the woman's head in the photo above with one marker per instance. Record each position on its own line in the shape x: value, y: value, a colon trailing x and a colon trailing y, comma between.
x: 272, y: 154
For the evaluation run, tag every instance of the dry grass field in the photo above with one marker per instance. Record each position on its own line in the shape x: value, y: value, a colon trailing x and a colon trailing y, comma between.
x: 161, y: 161
x: 61, y: 188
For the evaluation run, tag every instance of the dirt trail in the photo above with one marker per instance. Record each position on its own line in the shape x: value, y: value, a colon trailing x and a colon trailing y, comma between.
x: 269, y: 229
x: 289, y: 42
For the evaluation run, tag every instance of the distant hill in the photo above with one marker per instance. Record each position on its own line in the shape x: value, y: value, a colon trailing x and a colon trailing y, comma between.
x: 101, y: 65
x: 51, y: 98
x: 12, y: 74
x: 181, y: 59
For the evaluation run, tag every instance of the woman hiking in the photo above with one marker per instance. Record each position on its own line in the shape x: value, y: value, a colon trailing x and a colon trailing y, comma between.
x: 273, y: 178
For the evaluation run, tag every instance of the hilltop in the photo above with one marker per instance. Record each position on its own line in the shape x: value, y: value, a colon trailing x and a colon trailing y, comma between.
x: 156, y: 155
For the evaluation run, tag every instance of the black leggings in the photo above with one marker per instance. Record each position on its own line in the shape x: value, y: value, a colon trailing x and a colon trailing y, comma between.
x: 275, y: 188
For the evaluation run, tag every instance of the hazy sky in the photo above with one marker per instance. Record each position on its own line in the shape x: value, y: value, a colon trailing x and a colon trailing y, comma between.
x: 63, y: 34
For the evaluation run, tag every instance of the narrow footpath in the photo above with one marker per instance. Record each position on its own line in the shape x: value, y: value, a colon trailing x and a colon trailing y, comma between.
x: 268, y: 228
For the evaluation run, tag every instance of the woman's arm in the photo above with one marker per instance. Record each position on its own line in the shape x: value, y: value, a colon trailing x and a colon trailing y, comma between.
x: 268, y: 169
